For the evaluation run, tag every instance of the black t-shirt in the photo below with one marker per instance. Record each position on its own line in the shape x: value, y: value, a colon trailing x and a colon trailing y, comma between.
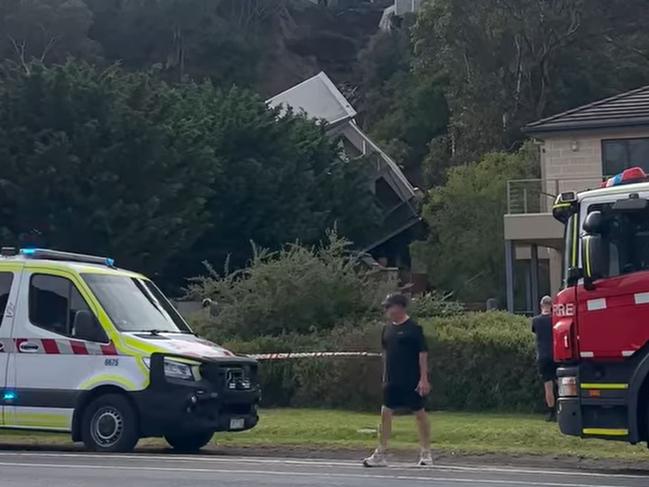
x: 402, y: 345
x: 542, y: 327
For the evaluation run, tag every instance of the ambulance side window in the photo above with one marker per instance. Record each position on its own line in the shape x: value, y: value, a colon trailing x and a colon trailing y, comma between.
x: 53, y: 303
x: 6, y: 279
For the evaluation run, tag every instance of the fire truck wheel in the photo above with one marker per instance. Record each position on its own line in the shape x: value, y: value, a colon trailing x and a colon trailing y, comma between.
x: 189, y: 442
x: 109, y: 424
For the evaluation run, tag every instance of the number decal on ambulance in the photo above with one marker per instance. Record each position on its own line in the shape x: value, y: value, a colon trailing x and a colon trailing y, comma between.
x: 111, y: 362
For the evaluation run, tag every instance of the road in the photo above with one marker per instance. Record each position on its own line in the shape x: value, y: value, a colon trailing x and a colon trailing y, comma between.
x: 40, y: 469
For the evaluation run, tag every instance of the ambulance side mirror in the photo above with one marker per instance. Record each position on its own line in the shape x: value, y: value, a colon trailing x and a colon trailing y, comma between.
x: 86, y: 327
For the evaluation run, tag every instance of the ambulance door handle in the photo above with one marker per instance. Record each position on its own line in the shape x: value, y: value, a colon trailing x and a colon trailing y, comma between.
x: 29, y: 347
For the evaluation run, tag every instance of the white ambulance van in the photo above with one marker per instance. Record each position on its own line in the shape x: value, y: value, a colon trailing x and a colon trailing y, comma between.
x: 99, y: 352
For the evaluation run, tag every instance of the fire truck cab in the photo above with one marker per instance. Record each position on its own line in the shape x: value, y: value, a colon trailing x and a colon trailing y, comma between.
x: 601, y: 316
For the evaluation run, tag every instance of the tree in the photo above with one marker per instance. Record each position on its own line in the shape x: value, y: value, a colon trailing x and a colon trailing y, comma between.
x: 506, y: 63
x: 103, y: 162
x: 464, y: 252
x: 45, y: 30
x: 283, y: 180
x: 402, y: 110
x: 221, y: 40
x: 164, y: 177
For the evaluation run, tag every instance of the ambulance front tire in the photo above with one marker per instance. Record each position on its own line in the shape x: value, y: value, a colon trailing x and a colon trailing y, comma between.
x: 109, y: 424
x: 189, y: 442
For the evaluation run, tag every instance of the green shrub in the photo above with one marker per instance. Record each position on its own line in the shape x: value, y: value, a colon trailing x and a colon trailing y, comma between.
x: 296, y: 290
x: 483, y: 361
x: 434, y: 304
x: 478, y: 361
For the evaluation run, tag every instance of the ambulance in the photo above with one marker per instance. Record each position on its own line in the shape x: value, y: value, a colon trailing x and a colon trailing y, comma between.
x: 99, y: 352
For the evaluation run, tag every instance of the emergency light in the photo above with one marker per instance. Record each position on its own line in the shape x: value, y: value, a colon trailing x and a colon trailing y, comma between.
x: 628, y: 176
x: 9, y: 396
x: 47, y: 254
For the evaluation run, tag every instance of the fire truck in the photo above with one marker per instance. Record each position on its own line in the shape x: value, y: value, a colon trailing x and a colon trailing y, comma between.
x: 601, y: 315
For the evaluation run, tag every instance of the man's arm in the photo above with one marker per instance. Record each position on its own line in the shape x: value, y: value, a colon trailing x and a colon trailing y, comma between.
x: 423, y: 388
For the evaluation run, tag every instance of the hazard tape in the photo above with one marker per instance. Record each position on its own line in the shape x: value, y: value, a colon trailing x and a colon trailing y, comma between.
x: 51, y: 346
x: 297, y: 355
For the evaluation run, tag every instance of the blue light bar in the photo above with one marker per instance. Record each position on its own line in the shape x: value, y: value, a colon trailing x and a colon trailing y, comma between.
x: 9, y: 396
x: 47, y: 254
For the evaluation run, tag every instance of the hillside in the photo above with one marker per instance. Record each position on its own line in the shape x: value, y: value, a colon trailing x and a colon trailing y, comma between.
x: 306, y: 38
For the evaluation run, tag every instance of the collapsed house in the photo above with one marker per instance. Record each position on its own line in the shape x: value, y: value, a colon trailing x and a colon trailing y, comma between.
x: 318, y: 98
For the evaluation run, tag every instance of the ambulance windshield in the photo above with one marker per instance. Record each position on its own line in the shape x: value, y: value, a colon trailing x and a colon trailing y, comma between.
x: 135, y: 305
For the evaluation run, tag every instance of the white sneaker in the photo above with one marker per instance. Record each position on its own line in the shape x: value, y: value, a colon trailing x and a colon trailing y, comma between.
x: 376, y: 459
x: 425, y: 459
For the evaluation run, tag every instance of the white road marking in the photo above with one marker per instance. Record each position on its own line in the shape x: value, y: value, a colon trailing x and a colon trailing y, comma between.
x: 300, y: 474
x: 319, y: 463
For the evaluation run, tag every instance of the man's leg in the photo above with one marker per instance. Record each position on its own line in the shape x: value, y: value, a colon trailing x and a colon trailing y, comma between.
x: 423, y: 427
x: 377, y: 459
x: 385, y: 431
x: 549, y: 393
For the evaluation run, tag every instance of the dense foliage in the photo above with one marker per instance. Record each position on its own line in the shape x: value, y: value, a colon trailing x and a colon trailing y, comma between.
x: 497, y: 65
x: 464, y: 252
x: 478, y: 361
x: 439, y: 90
x: 295, y: 290
x: 164, y: 177
x: 217, y: 39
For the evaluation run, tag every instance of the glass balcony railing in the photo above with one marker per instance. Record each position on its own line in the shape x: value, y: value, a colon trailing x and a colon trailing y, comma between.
x: 537, y: 195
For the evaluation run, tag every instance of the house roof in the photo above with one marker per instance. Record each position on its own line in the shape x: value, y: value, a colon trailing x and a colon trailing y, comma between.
x: 318, y: 98
x: 630, y: 109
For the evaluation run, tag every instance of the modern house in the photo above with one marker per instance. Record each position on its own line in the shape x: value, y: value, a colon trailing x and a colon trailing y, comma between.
x: 319, y: 99
x: 578, y: 149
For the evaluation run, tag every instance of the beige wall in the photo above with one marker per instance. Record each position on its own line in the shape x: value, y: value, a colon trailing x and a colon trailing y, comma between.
x: 573, y: 161
x: 578, y: 155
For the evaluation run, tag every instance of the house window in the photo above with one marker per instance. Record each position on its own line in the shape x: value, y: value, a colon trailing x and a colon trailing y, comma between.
x: 621, y: 154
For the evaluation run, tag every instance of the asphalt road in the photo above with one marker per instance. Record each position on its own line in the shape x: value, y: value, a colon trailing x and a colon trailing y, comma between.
x: 39, y: 469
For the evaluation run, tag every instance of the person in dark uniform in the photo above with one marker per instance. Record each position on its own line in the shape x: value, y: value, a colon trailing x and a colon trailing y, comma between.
x: 405, y: 377
x: 542, y: 328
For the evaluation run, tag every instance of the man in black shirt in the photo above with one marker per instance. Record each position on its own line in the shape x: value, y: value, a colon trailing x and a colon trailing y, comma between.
x: 405, y: 377
x: 542, y: 328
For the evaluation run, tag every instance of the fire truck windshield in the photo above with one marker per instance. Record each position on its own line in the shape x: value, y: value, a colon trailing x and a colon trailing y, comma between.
x: 627, y: 235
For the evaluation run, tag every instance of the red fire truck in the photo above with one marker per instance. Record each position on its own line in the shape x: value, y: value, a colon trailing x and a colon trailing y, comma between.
x: 601, y: 316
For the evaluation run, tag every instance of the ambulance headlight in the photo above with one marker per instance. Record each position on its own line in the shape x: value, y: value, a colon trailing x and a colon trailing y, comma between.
x: 174, y: 369
x: 178, y: 370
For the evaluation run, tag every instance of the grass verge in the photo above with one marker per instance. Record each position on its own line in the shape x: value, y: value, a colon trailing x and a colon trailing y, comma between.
x: 458, y: 433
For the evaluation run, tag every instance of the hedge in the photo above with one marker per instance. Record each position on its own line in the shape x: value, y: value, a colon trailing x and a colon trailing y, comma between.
x: 478, y: 361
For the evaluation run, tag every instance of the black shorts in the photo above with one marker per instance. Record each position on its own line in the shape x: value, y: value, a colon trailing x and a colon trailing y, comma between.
x: 547, y: 369
x: 401, y: 397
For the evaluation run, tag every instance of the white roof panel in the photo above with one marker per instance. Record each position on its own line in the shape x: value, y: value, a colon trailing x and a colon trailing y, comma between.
x: 318, y: 98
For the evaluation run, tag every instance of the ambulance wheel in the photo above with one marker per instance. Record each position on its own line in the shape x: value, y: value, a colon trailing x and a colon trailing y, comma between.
x: 188, y: 442
x: 109, y: 424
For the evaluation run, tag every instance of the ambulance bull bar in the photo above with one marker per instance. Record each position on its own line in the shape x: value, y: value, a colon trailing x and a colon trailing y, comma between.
x: 158, y: 379
x: 201, y: 405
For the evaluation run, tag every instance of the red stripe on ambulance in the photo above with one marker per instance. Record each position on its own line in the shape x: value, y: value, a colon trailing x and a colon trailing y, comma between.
x: 79, y: 348
x: 109, y: 349
x: 50, y: 346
